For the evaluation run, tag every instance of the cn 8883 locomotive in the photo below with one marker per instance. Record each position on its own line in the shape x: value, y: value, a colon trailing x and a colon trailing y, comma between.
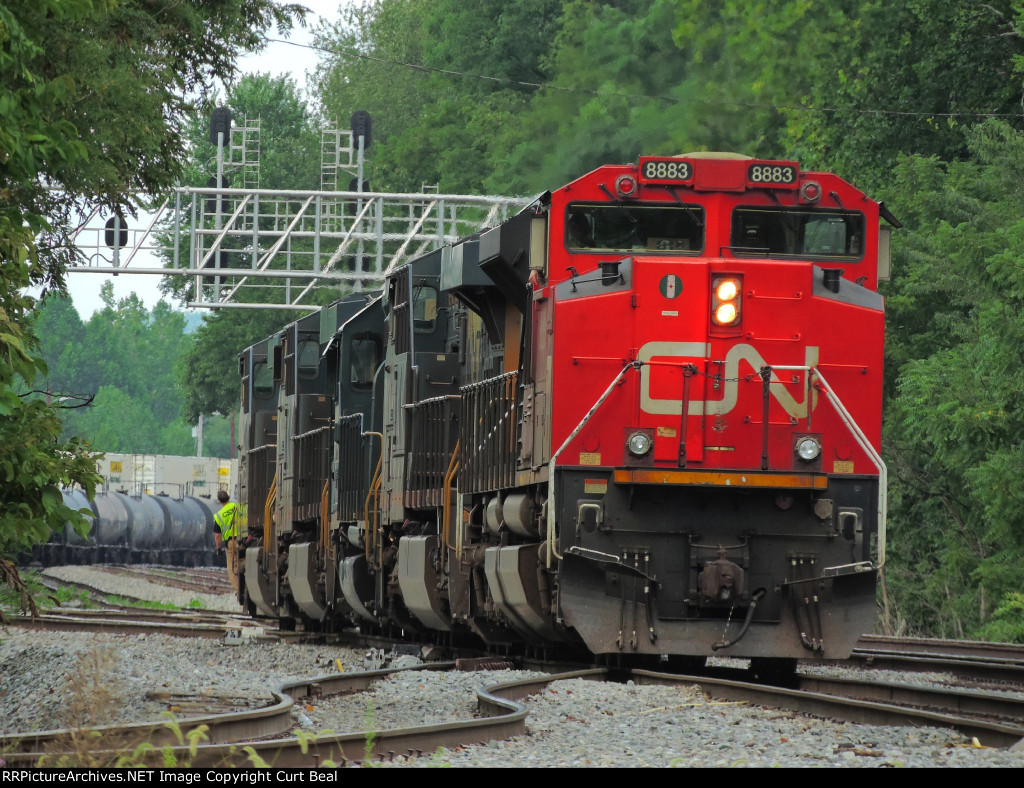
x: 640, y: 418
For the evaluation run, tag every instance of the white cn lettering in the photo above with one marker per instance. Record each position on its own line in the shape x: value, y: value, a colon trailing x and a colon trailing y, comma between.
x: 697, y: 352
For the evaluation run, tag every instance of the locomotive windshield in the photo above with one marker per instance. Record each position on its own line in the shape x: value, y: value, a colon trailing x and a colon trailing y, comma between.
x: 309, y: 359
x: 424, y: 308
x: 793, y: 231
x: 364, y: 358
x: 262, y: 381
x: 606, y: 227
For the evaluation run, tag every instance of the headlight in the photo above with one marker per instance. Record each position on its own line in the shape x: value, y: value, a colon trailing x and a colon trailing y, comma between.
x: 725, y: 314
x: 808, y: 449
x: 639, y: 444
x: 727, y: 290
x: 726, y: 301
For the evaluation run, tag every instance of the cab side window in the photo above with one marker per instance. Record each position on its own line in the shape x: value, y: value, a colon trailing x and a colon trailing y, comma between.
x: 364, y: 357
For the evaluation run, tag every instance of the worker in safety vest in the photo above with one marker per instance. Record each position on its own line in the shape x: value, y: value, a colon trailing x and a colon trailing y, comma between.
x: 225, y: 532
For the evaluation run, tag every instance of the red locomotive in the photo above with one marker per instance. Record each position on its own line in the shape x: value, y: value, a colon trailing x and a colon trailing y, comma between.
x: 643, y: 416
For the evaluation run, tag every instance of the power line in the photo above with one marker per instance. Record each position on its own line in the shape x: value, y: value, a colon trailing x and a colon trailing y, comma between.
x: 643, y: 96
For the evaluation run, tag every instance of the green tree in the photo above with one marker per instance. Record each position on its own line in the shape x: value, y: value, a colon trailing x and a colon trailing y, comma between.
x: 362, y: 69
x: 208, y: 373
x: 442, y: 80
x: 127, y: 358
x: 94, y: 97
x: 954, y: 428
x: 909, y: 78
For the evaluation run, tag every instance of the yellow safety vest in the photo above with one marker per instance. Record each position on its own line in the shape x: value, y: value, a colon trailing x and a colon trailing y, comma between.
x: 225, y: 520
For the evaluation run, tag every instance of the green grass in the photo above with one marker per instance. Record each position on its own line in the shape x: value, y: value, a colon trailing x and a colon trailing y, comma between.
x: 10, y: 601
x: 67, y: 594
x: 120, y: 601
x: 64, y: 596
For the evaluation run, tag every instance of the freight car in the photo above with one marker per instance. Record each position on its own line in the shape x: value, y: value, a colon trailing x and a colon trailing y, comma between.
x: 641, y: 419
x: 135, y: 529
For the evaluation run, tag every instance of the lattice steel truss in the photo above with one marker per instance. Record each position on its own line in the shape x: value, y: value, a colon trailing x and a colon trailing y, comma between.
x: 241, y: 246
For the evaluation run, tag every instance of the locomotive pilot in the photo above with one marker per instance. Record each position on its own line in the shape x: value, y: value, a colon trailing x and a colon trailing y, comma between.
x: 225, y: 532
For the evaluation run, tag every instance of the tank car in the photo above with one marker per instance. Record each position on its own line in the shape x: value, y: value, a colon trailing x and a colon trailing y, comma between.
x: 131, y: 529
x: 641, y: 418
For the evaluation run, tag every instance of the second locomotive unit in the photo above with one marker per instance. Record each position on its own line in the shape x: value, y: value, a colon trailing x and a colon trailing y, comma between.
x: 640, y: 418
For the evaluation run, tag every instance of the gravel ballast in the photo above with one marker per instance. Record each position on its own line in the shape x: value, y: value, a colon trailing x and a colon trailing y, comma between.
x: 47, y: 678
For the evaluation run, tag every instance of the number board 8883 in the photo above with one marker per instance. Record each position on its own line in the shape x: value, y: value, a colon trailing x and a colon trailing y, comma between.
x: 774, y: 174
x: 665, y: 170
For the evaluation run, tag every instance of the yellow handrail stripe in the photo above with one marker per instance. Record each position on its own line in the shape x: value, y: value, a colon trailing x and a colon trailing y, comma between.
x: 268, y: 527
x: 721, y: 478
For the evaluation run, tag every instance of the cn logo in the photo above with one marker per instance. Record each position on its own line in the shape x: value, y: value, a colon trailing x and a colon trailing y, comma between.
x: 740, y: 361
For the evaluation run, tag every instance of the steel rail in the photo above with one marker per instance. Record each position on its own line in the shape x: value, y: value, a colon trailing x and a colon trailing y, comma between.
x: 505, y: 716
x: 184, y: 581
x: 121, y: 625
x: 129, y: 613
x: 24, y: 749
x: 866, y: 712
x: 974, y: 704
x: 972, y: 670
x: 225, y: 728
x: 972, y: 649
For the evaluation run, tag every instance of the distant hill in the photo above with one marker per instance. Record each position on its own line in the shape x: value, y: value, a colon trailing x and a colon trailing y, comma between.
x: 193, y: 319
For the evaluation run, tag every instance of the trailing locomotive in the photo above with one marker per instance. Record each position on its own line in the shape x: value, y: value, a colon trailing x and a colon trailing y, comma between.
x: 642, y: 418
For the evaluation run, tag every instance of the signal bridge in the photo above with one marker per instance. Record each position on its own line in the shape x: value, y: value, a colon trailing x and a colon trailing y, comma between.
x: 254, y: 248
x: 276, y: 246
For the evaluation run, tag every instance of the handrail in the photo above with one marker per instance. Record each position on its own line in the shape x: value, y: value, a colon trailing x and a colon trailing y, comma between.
x: 268, y: 526
x: 373, y: 492
x: 550, y: 536
x: 446, y: 502
x: 865, y: 445
x: 844, y: 415
x: 325, y: 514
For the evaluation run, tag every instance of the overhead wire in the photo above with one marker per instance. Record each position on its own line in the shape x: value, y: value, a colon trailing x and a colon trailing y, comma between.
x: 643, y: 96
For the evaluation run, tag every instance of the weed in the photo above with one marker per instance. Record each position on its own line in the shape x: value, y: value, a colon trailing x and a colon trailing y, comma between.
x: 92, y: 702
x: 254, y: 759
x: 439, y: 759
x: 19, y: 593
x: 169, y: 760
x: 371, y: 734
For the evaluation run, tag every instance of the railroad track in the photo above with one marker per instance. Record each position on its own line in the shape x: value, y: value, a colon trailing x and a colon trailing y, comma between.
x: 975, y: 650
x: 143, y: 621
x: 200, y: 580
x: 262, y: 723
x: 205, y: 581
x: 240, y: 738
x: 972, y: 661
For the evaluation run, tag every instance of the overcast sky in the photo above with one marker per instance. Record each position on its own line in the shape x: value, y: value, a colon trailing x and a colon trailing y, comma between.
x: 275, y: 59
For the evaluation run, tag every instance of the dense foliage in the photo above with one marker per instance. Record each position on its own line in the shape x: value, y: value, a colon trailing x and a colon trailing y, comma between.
x: 955, y: 423
x: 94, y: 95
x: 115, y: 377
